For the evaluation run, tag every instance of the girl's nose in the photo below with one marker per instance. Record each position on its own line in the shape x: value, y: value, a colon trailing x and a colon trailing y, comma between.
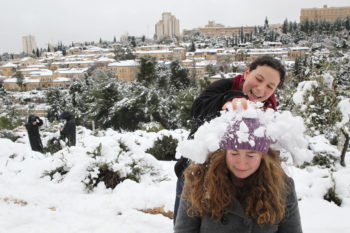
x: 241, y: 162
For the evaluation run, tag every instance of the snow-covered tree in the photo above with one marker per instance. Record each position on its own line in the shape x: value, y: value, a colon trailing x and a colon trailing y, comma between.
x: 147, y: 73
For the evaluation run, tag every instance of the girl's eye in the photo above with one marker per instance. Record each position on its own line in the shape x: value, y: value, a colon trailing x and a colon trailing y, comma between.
x: 270, y: 87
x: 252, y: 155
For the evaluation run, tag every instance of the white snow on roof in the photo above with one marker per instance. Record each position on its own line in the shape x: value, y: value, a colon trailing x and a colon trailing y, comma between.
x: 25, y: 80
x: 206, y: 62
x: 105, y: 59
x: 71, y: 71
x: 207, y: 50
x: 10, y: 80
x: 28, y: 69
x: 125, y: 63
x: 73, y: 62
x: 9, y: 64
x: 62, y: 79
x: 32, y: 80
x: 299, y: 48
x: 37, y: 66
x: 26, y: 59
x: 43, y: 72
x: 154, y: 51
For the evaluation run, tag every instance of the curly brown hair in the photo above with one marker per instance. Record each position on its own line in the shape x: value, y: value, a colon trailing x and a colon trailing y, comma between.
x: 210, y: 187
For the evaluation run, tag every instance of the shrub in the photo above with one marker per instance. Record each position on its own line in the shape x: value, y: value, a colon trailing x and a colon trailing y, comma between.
x: 164, y: 148
x: 9, y: 135
x: 97, y: 152
x: 53, y: 145
x: 8, y: 123
x: 62, y: 170
x: 123, y: 146
x: 321, y: 159
x: 332, y: 196
x: 104, y: 174
x: 324, y: 160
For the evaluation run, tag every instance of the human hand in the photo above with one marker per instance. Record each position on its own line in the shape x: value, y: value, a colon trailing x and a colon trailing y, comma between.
x: 237, y: 102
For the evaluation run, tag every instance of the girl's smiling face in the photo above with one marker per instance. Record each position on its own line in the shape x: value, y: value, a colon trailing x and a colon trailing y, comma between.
x: 243, y: 163
x: 260, y: 83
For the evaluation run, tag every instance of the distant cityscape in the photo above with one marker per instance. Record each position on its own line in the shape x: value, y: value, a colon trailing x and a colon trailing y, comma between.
x: 58, y: 66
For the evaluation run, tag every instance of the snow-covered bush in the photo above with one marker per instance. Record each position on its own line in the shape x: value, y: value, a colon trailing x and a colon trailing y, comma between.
x: 164, y: 148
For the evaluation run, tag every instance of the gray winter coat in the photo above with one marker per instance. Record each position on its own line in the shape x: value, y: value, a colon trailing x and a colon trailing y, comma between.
x: 237, y: 222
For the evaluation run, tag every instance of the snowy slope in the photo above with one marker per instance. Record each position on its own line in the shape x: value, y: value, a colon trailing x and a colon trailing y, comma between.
x: 32, y: 202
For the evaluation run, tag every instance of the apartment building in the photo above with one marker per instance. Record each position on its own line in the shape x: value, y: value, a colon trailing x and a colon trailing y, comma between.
x: 8, y: 69
x: 325, y: 13
x: 125, y: 70
x: 168, y: 26
x: 29, y: 44
x: 158, y: 54
x: 213, y: 29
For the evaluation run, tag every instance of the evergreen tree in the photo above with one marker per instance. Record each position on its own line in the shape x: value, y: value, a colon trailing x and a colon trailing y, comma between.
x: 133, y: 41
x: 319, y: 108
x: 147, y: 73
x: 347, y: 23
x: 19, y: 79
x: 285, y: 26
x: 193, y: 47
x: 241, y: 33
x: 290, y: 27
x: 56, y: 101
x: 37, y: 54
x: 266, y: 23
x: 184, y: 102
x: 179, y: 75
x: 114, y: 40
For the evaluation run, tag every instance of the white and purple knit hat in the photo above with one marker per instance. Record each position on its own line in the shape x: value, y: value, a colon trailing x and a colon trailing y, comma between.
x: 246, y: 134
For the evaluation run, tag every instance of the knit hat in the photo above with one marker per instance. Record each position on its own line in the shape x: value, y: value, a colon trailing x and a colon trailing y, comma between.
x: 246, y: 134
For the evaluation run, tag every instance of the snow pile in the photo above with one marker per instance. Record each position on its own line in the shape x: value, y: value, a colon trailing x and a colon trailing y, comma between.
x: 344, y: 106
x: 47, y: 193
x: 285, y: 129
x: 303, y: 87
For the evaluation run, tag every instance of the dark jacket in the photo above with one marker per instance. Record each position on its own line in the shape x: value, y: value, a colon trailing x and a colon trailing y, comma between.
x: 208, y: 106
x: 69, y: 130
x: 237, y: 221
x: 33, y: 133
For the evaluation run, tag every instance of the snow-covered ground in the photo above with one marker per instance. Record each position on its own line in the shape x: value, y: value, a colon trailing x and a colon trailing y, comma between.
x: 33, y: 202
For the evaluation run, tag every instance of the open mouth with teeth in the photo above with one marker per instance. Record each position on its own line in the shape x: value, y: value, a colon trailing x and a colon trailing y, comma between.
x: 255, y: 95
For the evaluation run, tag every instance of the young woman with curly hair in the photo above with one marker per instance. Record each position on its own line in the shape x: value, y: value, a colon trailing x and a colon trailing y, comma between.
x: 240, y: 188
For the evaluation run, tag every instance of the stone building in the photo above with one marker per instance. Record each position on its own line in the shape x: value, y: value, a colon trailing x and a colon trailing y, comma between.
x: 325, y: 13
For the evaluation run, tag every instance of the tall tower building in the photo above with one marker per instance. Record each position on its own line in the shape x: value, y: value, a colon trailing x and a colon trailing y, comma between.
x: 28, y: 44
x: 168, y: 26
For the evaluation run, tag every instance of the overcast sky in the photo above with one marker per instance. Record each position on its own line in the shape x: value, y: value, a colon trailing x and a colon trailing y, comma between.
x: 89, y: 20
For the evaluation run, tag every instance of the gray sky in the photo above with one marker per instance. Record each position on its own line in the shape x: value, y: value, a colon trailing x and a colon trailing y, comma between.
x: 88, y: 20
